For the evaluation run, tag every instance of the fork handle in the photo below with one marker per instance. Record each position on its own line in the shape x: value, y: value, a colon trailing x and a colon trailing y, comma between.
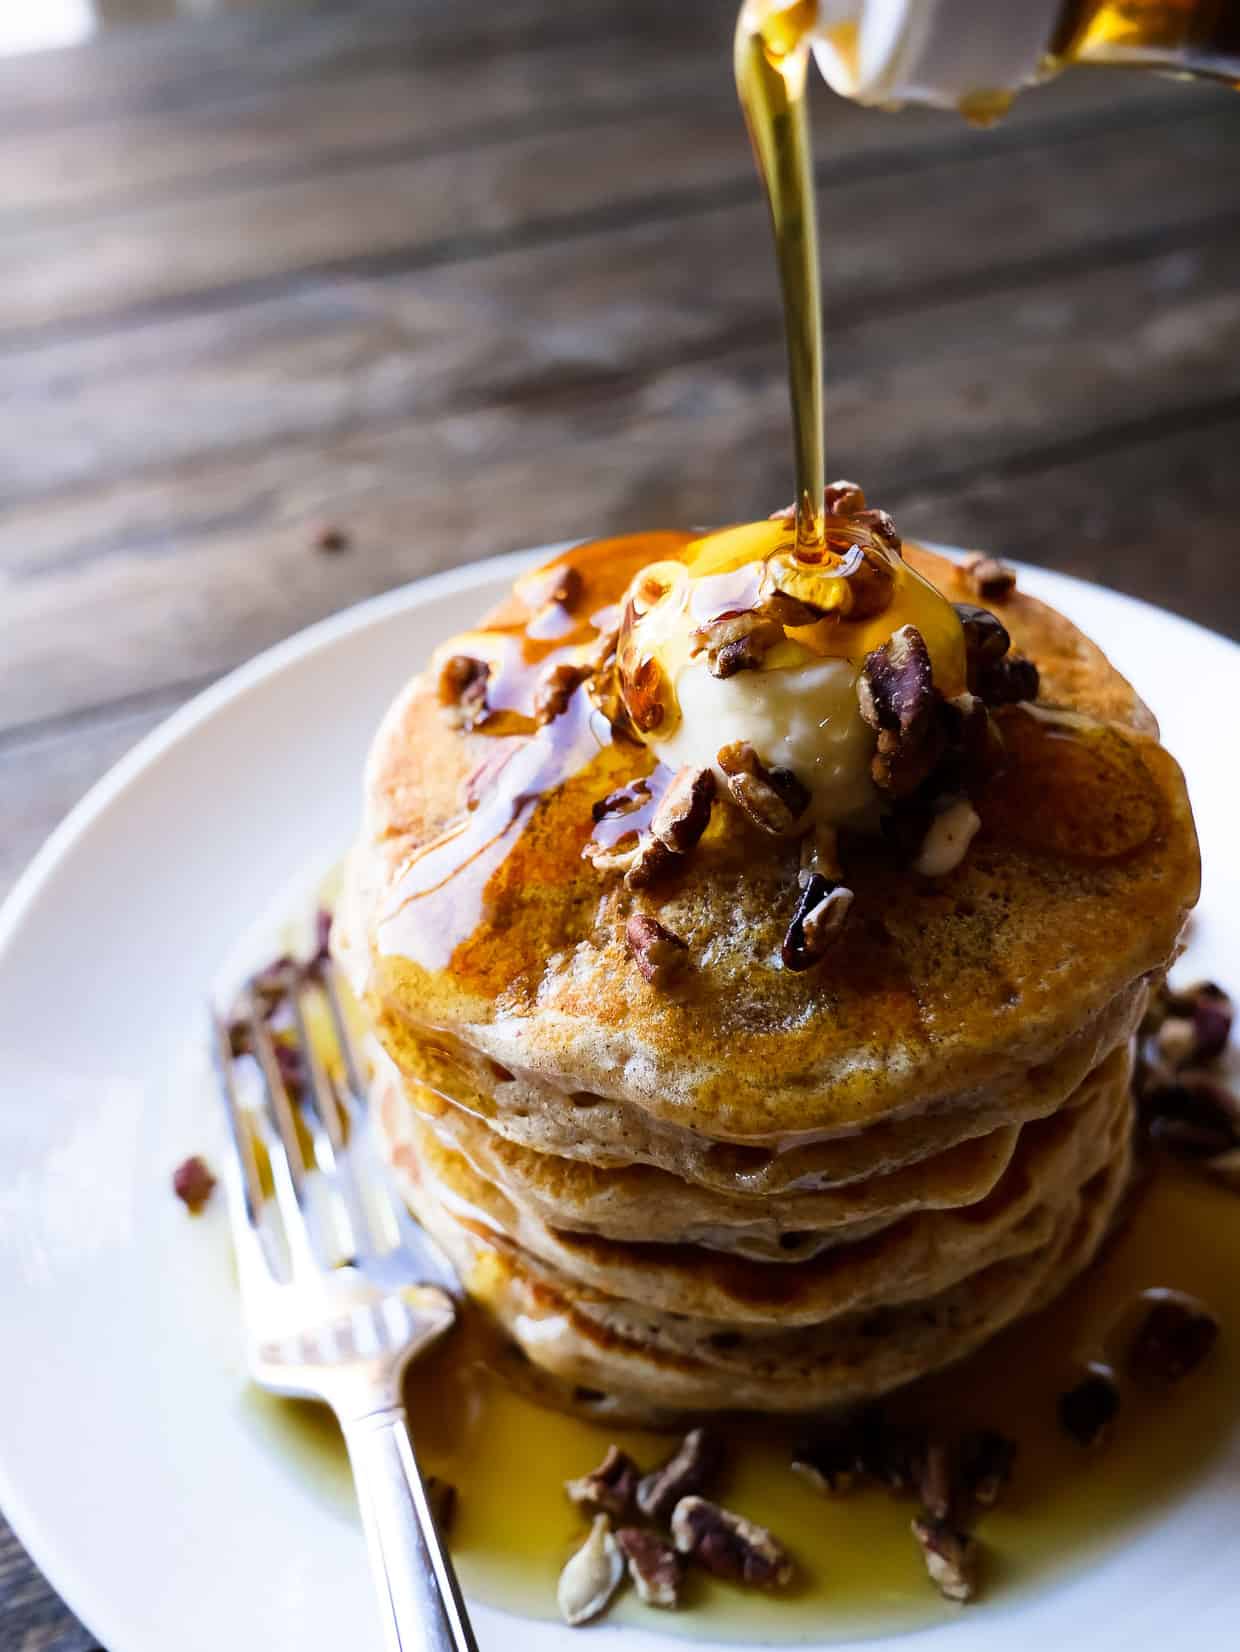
x: 419, y: 1598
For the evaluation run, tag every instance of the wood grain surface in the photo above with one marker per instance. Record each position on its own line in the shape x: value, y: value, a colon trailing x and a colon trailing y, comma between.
x: 456, y: 280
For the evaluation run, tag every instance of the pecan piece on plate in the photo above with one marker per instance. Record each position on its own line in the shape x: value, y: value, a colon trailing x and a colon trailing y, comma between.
x: 556, y: 689
x: 193, y: 1183
x: 774, y: 799
x: 1172, y: 1340
x: 950, y: 1556
x: 608, y: 1489
x: 656, y: 1569
x: 690, y: 1468
x: 1089, y: 1408
x: 729, y: 1545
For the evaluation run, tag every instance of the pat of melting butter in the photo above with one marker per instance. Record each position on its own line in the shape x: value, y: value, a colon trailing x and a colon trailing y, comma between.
x: 804, y: 718
x: 799, y: 709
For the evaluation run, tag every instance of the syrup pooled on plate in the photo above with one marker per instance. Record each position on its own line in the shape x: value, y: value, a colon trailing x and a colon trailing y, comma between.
x: 859, y: 1571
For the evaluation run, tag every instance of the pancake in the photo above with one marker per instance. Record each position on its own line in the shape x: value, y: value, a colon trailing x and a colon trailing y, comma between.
x: 763, y: 1186
x: 917, y: 1256
x: 489, y: 925
x: 606, y: 1132
x: 600, y: 1356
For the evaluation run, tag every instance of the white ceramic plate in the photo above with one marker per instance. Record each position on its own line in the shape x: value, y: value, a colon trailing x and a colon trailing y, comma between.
x: 129, y: 1463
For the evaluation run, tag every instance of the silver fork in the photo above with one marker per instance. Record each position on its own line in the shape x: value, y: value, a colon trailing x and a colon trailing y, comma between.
x: 340, y: 1289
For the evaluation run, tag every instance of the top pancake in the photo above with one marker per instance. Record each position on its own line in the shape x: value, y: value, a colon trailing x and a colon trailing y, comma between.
x: 486, y: 923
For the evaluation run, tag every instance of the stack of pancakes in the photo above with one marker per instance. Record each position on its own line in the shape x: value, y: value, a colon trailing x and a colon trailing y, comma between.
x: 763, y: 1189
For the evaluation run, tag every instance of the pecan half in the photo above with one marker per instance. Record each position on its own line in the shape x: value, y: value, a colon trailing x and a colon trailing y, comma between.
x: 1190, y: 1112
x: 950, y: 1556
x: 986, y: 1461
x: 556, y: 689
x: 607, y: 1489
x: 1172, y: 1340
x: 193, y: 1183
x: 592, y: 1575
x: 737, y: 642
x: 654, y: 1566
x: 774, y: 799
x: 729, y: 1545
x: 991, y: 579
x: 690, y: 1468
x: 896, y: 694
x: 880, y: 527
x: 842, y: 499
x: 1089, y: 1408
x: 1199, y: 1018
x: 463, y: 689
x: 683, y: 812
x: 817, y: 921
x: 661, y: 956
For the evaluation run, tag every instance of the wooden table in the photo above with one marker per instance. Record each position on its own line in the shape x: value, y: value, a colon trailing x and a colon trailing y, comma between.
x: 428, y: 283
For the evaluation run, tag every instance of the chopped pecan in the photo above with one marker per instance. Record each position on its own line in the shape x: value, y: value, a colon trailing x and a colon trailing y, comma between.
x: 640, y: 857
x: 774, y: 799
x: 556, y: 689
x: 463, y: 689
x: 559, y: 586
x: 937, y: 1479
x: 729, y: 1545
x: 880, y: 527
x: 817, y: 920
x: 986, y: 1460
x: 661, y: 956
x: 828, y: 1461
x: 1005, y: 682
x: 889, y: 1452
x: 592, y: 1575
x: 655, y: 1567
x: 947, y: 841
x: 897, y: 697
x: 1201, y: 1020
x: 1172, y: 1340
x: 842, y: 499
x: 193, y: 1183
x: 1089, y: 1408
x: 950, y: 1556
x: 623, y: 801
x: 792, y: 612
x: 986, y: 638
x: 690, y: 1468
x: 737, y: 642
x: 1190, y: 1112
x: 608, y: 1489
x: 991, y: 579
x: 643, y: 695
x: 441, y: 1498
x: 683, y: 812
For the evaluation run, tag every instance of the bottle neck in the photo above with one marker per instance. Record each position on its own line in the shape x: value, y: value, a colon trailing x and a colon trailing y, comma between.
x: 976, y: 55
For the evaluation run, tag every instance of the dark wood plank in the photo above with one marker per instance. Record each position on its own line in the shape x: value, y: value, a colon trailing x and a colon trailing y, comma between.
x: 32, y: 1618
x: 130, y: 585
x: 411, y: 211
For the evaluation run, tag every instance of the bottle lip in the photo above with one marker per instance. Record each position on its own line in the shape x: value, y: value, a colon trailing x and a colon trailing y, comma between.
x: 971, y: 55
